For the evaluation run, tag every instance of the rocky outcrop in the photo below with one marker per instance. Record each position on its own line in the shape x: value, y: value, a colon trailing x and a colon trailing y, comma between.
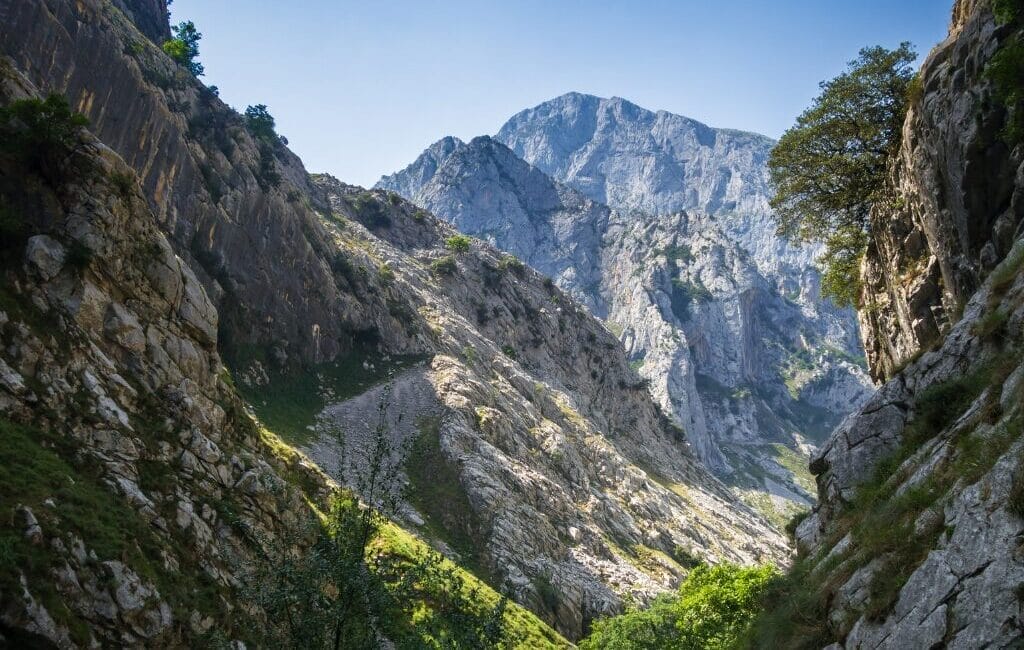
x: 915, y: 539
x: 124, y: 450
x: 956, y: 206
x: 754, y: 368
x: 485, y: 190
x: 630, y: 158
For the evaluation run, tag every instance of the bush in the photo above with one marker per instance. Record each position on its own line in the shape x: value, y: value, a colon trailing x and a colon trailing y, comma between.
x: 124, y: 183
x: 712, y: 609
x: 260, y: 123
x: 370, y: 211
x: 267, y: 175
x: 184, y: 47
x: 458, y: 243
x: 42, y: 134
x: 444, y: 266
x: 511, y: 263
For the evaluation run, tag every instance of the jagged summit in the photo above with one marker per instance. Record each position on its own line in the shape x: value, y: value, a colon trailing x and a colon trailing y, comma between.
x: 663, y: 162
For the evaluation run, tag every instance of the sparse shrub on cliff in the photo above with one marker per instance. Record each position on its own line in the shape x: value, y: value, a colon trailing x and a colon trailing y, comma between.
x: 829, y: 169
x: 42, y: 134
x: 444, y: 266
x: 458, y: 243
x: 267, y: 174
x: 511, y: 263
x: 371, y: 211
x: 260, y: 122
x: 184, y: 47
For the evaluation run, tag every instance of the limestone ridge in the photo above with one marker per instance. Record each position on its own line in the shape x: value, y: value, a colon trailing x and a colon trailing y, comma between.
x: 936, y: 454
x: 203, y: 242
x: 742, y: 354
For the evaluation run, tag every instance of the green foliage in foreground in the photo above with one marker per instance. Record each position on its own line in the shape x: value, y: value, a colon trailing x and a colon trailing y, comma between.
x: 829, y: 169
x: 364, y: 579
x: 712, y: 609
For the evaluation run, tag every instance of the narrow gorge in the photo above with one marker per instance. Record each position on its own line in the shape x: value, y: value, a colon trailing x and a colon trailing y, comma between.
x: 539, y: 389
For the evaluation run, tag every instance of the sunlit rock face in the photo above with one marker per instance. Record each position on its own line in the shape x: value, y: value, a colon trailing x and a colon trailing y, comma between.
x: 661, y: 227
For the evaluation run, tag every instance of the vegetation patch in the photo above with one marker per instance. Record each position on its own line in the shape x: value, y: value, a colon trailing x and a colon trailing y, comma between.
x: 1006, y: 68
x: 829, y: 170
x: 444, y: 266
x: 290, y: 401
x: 711, y: 610
x: 458, y: 243
x: 435, y: 490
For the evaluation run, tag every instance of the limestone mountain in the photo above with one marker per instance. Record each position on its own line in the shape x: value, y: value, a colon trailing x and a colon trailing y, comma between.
x: 186, y: 261
x: 746, y: 358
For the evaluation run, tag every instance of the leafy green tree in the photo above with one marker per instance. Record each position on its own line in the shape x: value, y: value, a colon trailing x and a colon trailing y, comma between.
x: 458, y: 243
x: 711, y: 611
x: 42, y: 134
x: 260, y: 122
x: 829, y: 169
x: 184, y: 47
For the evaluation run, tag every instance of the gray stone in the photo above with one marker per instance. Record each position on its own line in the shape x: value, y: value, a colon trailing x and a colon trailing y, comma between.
x: 45, y: 255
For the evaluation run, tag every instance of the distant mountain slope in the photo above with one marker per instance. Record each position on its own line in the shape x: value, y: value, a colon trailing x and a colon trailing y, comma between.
x: 754, y: 375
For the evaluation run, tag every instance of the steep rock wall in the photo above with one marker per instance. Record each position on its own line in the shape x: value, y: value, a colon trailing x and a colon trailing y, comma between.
x: 956, y: 204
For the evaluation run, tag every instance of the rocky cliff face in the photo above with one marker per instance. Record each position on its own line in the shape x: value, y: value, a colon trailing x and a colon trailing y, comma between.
x: 536, y: 455
x: 567, y: 473
x: 956, y: 206
x: 208, y: 180
x: 915, y: 540
x: 130, y: 471
x: 754, y: 367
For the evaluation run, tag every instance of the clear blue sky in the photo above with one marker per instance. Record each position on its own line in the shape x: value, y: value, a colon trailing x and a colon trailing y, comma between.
x: 360, y: 88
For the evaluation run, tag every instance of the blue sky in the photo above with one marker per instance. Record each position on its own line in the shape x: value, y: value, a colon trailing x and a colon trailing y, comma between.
x: 361, y: 88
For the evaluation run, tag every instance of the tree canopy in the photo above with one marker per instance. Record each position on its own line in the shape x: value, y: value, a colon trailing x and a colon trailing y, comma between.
x: 184, y: 47
x: 829, y: 168
x: 712, y: 609
x: 260, y: 122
